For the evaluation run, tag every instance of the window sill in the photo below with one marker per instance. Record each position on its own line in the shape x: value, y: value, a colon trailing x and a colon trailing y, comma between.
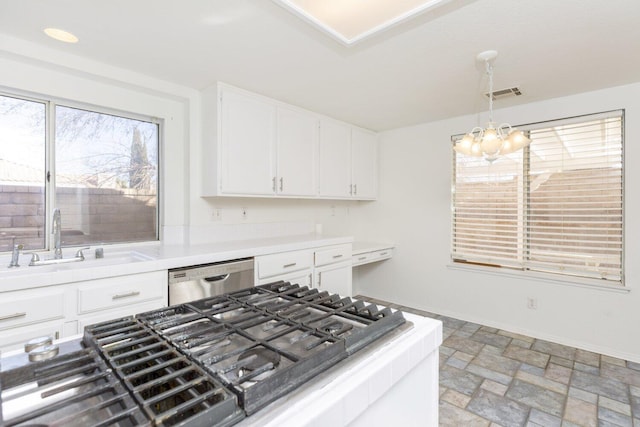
x: 541, y: 277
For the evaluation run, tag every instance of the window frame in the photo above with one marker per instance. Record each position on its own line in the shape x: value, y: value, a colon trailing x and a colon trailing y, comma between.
x: 524, y: 272
x: 49, y: 180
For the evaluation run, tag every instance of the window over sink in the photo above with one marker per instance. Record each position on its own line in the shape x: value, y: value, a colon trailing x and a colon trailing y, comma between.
x: 99, y: 167
x: 555, y: 207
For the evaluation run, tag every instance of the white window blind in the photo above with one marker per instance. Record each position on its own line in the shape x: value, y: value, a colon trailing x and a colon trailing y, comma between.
x: 556, y: 206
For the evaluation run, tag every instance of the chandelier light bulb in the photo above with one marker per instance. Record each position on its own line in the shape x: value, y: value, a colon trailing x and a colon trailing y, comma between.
x: 518, y: 139
x: 464, y: 145
x: 490, y: 142
x: 476, y: 150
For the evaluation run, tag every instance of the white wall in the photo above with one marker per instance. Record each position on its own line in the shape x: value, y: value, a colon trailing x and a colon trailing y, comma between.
x: 413, y: 208
x: 413, y: 211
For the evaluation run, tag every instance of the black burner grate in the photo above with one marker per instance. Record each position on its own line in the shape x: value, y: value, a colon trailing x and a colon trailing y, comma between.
x: 170, y: 389
x: 306, y: 331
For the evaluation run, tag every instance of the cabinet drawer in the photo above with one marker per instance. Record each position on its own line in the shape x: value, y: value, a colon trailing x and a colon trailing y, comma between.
x: 283, y: 263
x: 302, y: 278
x: 104, y: 315
x: 15, y: 339
x: 27, y: 307
x: 361, y: 258
x: 373, y: 256
x: 119, y: 291
x: 332, y: 255
x: 381, y: 254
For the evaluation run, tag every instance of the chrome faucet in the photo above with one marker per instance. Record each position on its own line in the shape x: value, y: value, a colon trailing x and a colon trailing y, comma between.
x: 15, y: 254
x: 55, y: 230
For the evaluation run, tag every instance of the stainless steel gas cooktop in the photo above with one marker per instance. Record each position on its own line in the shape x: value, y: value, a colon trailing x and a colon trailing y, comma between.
x: 211, y: 362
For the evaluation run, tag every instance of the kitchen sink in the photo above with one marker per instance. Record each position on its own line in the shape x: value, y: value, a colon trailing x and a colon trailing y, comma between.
x: 116, y: 257
x: 110, y: 258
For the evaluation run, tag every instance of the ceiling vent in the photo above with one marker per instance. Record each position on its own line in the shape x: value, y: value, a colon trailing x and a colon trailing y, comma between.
x: 505, y: 93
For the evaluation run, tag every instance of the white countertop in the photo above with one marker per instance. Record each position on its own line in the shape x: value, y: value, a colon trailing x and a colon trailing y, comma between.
x: 153, y: 257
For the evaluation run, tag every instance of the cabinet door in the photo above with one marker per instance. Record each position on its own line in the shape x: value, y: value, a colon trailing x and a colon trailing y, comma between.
x: 297, y: 153
x: 335, y: 159
x: 364, y: 152
x: 335, y: 278
x: 247, y: 132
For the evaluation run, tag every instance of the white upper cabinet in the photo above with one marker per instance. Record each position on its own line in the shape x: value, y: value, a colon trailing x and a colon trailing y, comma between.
x: 248, y: 142
x: 297, y: 148
x: 348, y: 161
x: 260, y: 147
x: 364, y: 156
x: 335, y: 159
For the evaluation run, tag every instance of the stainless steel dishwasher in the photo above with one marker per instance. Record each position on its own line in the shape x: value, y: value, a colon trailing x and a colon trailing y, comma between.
x: 202, y: 281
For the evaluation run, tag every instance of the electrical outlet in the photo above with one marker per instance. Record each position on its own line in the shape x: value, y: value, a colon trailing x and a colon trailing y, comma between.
x: 532, y: 303
x: 216, y: 215
x: 243, y: 213
x: 333, y: 210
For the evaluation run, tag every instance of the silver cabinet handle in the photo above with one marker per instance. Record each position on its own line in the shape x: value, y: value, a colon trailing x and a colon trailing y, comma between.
x: 362, y: 258
x: 281, y: 183
x: 351, y: 190
x: 127, y: 295
x: 273, y: 184
x: 337, y: 256
x: 355, y: 189
x: 12, y: 316
x: 383, y: 253
x: 293, y: 264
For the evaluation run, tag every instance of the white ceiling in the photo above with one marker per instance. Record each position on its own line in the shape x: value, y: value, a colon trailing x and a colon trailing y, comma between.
x: 418, y: 72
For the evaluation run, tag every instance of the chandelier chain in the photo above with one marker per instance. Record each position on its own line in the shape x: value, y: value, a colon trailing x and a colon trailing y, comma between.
x: 490, y: 74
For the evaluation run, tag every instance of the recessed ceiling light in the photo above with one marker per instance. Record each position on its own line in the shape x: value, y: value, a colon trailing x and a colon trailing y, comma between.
x: 351, y: 21
x: 61, y: 35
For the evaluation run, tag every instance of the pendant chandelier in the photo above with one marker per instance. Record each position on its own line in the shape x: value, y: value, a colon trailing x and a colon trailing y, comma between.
x: 492, y: 141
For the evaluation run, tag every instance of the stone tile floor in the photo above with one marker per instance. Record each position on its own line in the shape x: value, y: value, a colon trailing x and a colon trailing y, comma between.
x: 491, y: 377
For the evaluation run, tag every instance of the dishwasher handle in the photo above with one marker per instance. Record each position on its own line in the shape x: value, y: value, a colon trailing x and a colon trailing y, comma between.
x: 220, y: 278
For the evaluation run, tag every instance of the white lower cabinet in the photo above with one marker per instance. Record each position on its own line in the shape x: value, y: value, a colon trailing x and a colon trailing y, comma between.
x: 333, y: 270
x: 334, y: 278
x: 274, y: 267
x: 104, y: 294
x: 111, y: 298
x: 63, y: 310
x: 327, y: 268
x: 31, y: 313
